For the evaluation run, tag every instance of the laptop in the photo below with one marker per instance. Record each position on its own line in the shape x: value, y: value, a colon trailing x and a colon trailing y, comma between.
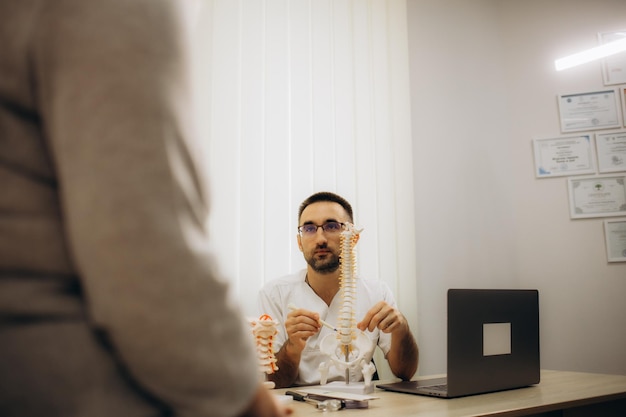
x: 493, y: 344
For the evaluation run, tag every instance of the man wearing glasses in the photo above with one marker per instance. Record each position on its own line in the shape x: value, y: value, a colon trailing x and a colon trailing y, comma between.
x: 314, y: 292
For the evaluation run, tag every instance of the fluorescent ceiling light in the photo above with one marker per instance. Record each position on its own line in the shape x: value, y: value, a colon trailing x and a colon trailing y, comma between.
x: 592, y: 54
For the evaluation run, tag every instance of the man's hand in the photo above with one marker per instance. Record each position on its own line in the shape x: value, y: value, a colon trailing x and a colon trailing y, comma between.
x: 300, y: 325
x: 403, y: 355
x: 264, y: 404
x: 384, y: 317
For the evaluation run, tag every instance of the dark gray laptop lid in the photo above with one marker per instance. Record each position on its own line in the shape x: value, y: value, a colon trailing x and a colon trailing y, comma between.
x: 493, y: 340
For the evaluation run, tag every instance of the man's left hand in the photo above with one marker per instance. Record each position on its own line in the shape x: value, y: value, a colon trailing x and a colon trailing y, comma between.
x: 384, y: 317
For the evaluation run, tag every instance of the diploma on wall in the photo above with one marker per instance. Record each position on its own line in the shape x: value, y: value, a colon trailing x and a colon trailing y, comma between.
x: 589, y: 111
x: 571, y: 155
x: 598, y: 196
x: 614, y: 66
x: 615, y: 234
x: 611, y: 151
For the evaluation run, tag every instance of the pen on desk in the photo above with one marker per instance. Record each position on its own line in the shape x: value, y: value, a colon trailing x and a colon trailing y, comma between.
x: 322, y: 322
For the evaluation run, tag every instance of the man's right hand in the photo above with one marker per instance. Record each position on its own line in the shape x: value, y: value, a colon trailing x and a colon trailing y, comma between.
x: 300, y: 325
x: 264, y: 404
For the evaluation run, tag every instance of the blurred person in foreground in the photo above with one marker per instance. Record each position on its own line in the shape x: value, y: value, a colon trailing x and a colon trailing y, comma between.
x: 110, y: 302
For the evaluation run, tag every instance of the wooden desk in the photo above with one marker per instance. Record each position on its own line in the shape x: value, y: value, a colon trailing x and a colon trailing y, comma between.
x: 568, y: 394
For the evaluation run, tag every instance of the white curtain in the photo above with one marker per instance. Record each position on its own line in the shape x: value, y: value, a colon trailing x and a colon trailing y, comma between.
x: 300, y: 96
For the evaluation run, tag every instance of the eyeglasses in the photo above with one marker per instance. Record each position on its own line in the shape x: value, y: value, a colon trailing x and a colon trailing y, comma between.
x: 310, y: 229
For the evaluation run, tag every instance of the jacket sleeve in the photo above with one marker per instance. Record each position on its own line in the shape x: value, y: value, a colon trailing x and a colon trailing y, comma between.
x: 113, y: 85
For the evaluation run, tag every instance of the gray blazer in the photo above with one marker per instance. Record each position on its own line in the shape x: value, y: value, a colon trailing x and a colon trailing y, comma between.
x: 110, y: 303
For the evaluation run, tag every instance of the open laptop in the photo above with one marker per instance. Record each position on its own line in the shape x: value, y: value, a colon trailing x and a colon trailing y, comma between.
x: 493, y: 344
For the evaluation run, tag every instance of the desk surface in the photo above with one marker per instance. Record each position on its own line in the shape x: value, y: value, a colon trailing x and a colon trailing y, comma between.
x: 557, y: 391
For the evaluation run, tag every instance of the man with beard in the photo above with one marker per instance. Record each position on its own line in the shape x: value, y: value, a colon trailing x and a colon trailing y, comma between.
x: 315, y: 294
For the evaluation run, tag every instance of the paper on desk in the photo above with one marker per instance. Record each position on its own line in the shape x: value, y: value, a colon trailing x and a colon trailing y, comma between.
x: 334, y: 392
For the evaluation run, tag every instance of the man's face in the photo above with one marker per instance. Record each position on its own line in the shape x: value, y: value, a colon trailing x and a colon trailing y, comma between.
x: 321, y: 250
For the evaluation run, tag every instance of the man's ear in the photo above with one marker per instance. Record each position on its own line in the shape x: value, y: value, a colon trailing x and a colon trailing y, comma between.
x: 299, y: 239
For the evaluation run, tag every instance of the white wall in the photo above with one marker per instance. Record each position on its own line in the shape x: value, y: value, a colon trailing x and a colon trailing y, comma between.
x: 482, y: 86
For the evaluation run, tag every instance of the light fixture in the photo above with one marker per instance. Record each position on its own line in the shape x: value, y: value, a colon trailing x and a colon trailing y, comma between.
x: 602, y: 51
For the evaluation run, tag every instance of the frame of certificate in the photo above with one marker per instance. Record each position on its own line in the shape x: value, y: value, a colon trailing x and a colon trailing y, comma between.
x: 566, y: 155
x: 590, y: 110
x: 613, y: 67
x: 615, y: 235
x: 611, y: 151
x: 597, y: 196
x: 622, y: 92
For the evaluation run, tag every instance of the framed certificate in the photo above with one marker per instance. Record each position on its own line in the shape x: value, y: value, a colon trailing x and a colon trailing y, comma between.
x: 613, y: 67
x: 622, y: 92
x: 589, y: 111
x: 570, y: 155
x: 611, y: 151
x: 598, y: 196
x: 615, y: 235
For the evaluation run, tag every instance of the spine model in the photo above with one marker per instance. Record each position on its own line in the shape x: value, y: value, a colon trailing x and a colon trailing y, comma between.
x: 346, y: 348
x: 264, y: 329
x: 347, y: 279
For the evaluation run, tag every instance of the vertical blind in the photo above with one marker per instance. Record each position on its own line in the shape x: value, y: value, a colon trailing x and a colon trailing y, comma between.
x: 300, y: 96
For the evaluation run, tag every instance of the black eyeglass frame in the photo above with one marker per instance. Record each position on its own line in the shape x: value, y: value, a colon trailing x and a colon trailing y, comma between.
x: 323, y: 226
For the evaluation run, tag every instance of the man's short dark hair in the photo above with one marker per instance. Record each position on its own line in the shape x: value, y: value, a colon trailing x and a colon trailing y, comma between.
x: 326, y: 196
